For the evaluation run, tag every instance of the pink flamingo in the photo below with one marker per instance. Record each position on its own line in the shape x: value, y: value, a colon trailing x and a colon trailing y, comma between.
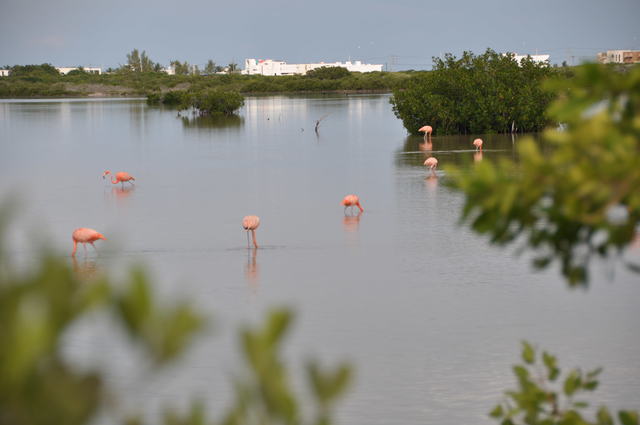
x: 427, y: 130
x: 251, y: 222
x: 478, y: 144
x: 120, y: 177
x: 84, y: 236
x: 351, y: 201
x: 432, y: 163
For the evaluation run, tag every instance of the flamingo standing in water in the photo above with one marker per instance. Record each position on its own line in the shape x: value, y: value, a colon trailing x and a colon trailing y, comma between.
x: 432, y: 163
x: 351, y: 201
x: 251, y: 222
x: 426, y: 130
x: 120, y: 177
x: 84, y: 236
x: 478, y: 144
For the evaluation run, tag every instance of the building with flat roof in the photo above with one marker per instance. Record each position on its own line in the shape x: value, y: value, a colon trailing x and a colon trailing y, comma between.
x: 535, y: 58
x: 275, y: 67
x: 619, y: 56
x: 4, y: 72
x: 65, y: 70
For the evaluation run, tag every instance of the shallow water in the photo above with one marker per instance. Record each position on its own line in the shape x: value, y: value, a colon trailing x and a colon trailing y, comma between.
x: 430, y: 313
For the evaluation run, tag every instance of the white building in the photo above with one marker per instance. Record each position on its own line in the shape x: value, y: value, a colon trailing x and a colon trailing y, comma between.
x: 65, y: 70
x: 4, y: 72
x: 543, y: 59
x: 271, y: 67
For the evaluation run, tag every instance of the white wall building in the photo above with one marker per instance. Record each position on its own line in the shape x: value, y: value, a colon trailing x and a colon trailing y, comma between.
x: 4, y: 72
x: 65, y: 70
x: 271, y: 67
x: 534, y: 58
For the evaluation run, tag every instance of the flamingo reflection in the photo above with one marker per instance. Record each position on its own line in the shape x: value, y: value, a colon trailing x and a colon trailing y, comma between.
x: 122, y: 193
x: 252, y: 270
x: 431, y: 182
x: 351, y: 222
x: 426, y: 146
x: 477, y: 156
x: 87, y: 269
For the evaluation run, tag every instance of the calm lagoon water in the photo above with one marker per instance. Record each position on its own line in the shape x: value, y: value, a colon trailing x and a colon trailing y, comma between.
x: 431, y: 314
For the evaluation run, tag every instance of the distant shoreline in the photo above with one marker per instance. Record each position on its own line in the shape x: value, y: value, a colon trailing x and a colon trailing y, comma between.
x: 103, y: 95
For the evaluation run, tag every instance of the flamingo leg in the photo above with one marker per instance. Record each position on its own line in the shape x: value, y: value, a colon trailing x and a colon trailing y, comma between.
x: 84, y: 245
x: 253, y: 233
x: 248, y: 243
x: 75, y: 246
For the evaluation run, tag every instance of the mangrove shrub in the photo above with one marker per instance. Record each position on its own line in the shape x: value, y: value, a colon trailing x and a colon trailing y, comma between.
x: 487, y: 93
x: 216, y: 101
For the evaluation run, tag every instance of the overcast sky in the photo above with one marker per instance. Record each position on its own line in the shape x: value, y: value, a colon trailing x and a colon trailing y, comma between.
x: 402, y: 33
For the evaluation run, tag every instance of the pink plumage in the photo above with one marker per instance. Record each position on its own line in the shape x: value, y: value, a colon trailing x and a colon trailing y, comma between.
x: 431, y: 162
x: 251, y: 223
x: 120, y: 177
x: 85, y: 235
x: 426, y: 129
x: 478, y: 144
x: 351, y: 201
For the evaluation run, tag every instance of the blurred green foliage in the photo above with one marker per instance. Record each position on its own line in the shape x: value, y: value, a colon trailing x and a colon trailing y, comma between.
x: 545, y: 397
x: 39, y: 386
x: 39, y: 305
x: 487, y: 93
x: 580, y: 200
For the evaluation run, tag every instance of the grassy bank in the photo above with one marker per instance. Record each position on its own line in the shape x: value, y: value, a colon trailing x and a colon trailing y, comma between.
x: 37, y: 82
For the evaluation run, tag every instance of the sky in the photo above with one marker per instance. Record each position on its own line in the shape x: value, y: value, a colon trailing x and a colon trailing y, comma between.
x: 402, y: 34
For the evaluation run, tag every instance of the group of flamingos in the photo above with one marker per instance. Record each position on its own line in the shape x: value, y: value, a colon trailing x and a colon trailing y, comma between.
x: 432, y: 162
x: 250, y: 223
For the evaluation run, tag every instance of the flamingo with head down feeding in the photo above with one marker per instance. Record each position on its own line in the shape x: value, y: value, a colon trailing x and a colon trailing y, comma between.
x: 427, y: 130
x: 84, y: 236
x: 351, y: 201
x: 478, y: 144
x: 251, y: 223
x: 120, y: 177
x: 432, y: 163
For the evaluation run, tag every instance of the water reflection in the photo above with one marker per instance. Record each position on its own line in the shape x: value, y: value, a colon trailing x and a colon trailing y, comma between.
x: 122, y: 193
x: 86, y: 268
x: 212, y: 121
x: 426, y: 146
x: 252, y: 269
x: 458, y: 149
x: 351, y: 222
x: 431, y: 182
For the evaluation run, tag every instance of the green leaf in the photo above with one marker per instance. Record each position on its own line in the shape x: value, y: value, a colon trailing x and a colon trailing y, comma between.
x: 571, y: 383
x: 497, y: 412
x: 603, y: 416
x: 528, y: 353
x: 628, y: 417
